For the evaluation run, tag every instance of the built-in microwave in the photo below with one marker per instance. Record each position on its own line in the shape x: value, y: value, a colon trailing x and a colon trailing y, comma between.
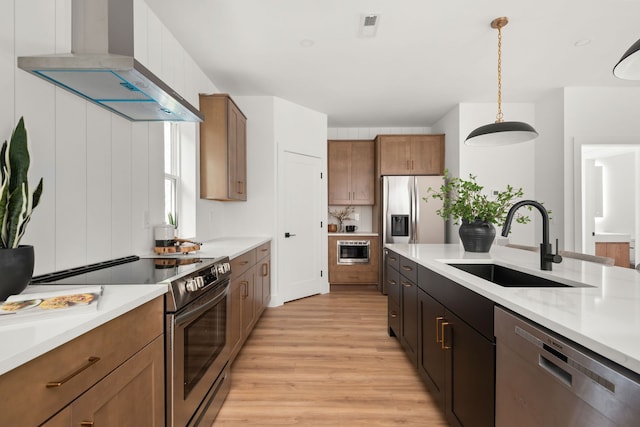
x: 353, y: 251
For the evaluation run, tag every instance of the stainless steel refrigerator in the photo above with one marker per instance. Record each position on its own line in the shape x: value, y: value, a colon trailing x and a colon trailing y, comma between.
x: 406, y: 217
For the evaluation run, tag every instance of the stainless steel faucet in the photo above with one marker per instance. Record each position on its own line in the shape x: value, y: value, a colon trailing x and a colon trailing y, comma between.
x: 547, y: 257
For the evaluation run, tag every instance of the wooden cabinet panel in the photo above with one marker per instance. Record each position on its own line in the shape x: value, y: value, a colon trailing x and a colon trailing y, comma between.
x: 470, y: 375
x: 456, y: 349
x: 113, y: 343
x: 339, y: 173
x: 351, y: 172
x: 249, y: 294
x: 130, y: 396
x: 619, y: 251
x: 354, y: 273
x: 427, y: 155
x: 234, y: 328
x: 409, y: 318
x: 223, y: 162
x: 430, y: 354
x: 411, y: 154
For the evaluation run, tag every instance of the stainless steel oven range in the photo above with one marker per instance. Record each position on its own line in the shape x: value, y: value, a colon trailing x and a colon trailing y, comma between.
x: 196, y: 308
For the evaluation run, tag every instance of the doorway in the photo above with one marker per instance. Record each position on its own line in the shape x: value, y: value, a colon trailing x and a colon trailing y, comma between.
x: 609, y: 202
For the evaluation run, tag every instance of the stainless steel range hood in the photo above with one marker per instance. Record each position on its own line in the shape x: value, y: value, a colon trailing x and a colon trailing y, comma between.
x: 103, y: 70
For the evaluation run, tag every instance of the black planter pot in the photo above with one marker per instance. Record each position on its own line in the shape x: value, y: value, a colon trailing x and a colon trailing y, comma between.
x: 477, y: 236
x: 16, y: 269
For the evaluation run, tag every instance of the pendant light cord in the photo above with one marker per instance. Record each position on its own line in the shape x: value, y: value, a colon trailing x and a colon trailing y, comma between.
x: 499, y: 116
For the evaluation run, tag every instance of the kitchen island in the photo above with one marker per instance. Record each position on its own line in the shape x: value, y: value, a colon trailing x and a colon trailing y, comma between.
x: 602, y: 313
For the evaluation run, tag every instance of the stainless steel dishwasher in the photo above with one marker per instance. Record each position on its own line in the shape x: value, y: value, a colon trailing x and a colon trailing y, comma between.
x: 544, y: 380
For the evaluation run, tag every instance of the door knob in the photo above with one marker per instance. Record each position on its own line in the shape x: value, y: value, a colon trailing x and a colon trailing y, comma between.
x: 287, y: 235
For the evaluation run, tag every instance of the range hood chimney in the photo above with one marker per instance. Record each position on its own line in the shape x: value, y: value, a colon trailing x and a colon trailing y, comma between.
x: 102, y: 69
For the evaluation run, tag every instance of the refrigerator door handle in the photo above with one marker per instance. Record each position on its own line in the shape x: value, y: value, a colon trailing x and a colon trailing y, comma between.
x: 413, y: 209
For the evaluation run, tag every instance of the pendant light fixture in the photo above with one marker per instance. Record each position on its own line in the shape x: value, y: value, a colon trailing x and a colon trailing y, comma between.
x: 628, y: 67
x: 500, y: 132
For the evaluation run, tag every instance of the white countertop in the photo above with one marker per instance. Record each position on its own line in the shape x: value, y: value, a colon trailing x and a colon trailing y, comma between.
x: 604, y: 317
x: 612, y: 237
x: 32, y: 336
x: 223, y: 246
x: 26, y: 338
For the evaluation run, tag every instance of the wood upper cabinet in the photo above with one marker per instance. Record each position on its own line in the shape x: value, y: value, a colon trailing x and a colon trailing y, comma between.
x: 223, y: 149
x: 351, y: 166
x: 411, y: 154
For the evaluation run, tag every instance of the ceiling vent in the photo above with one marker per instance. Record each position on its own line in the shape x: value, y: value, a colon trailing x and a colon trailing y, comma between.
x: 369, y: 25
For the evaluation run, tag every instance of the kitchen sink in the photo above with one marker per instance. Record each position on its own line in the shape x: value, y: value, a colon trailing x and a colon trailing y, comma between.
x: 510, y: 278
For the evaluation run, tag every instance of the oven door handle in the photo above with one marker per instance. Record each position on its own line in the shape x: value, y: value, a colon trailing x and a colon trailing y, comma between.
x: 188, y: 315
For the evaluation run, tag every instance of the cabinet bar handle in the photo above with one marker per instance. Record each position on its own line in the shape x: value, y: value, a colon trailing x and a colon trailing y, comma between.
x: 265, y: 269
x: 393, y: 314
x: 86, y: 424
x: 90, y: 361
x: 392, y: 258
x: 407, y: 268
x: 245, y: 292
x: 244, y: 262
x: 438, y: 319
x: 443, y: 345
x: 408, y: 167
x: 406, y: 284
x: 392, y: 282
x: 412, y: 164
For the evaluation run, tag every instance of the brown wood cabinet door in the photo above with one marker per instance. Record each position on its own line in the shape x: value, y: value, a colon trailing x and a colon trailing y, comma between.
x: 130, y: 396
x: 619, y: 251
x: 339, y: 160
x: 362, y: 172
x: 427, y: 155
x: 395, y: 154
x: 234, y: 327
x: 265, y: 282
x: 237, y: 153
x: 248, y: 301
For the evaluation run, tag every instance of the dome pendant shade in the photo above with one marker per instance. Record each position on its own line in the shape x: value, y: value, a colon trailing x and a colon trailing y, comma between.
x: 628, y: 67
x: 500, y: 132
x: 503, y: 133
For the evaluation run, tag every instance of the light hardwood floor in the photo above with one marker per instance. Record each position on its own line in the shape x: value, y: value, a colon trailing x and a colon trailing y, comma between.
x: 326, y: 360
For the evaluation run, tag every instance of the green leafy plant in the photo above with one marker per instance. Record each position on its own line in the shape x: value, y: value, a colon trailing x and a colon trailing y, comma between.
x: 173, y: 220
x: 16, y: 202
x: 464, y: 200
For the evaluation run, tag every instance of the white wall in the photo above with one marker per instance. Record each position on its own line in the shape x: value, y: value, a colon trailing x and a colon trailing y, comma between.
x: 619, y: 195
x: 497, y: 167
x: 549, y: 163
x: 103, y: 175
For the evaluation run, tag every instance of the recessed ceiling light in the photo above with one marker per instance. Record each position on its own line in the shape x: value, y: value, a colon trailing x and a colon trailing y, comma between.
x: 582, y: 42
x: 307, y: 43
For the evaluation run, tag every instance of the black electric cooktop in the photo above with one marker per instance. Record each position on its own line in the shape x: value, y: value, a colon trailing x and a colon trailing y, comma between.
x: 128, y: 270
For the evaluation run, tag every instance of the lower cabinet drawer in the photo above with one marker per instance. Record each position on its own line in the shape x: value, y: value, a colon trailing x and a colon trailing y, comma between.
x: 35, y: 391
x: 356, y: 276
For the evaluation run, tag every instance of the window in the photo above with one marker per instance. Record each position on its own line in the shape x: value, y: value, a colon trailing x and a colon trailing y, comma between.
x: 171, y: 173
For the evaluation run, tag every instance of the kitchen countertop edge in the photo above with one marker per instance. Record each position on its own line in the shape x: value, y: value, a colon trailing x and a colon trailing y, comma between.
x: 52, y: 332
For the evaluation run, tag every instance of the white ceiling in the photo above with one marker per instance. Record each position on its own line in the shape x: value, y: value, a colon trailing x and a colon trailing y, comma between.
x: 427, y: 56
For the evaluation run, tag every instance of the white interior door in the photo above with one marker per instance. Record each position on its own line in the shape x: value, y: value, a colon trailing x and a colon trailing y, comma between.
x: 299, y: 262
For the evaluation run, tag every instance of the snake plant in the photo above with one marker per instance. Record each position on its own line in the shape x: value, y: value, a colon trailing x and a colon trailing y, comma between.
x: 16, y: 204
